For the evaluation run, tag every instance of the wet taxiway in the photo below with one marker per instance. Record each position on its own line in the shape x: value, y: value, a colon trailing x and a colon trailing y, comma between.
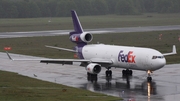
x: 164, y: 87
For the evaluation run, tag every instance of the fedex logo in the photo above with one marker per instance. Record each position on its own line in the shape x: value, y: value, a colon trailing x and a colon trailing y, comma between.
x: 128, y: 58
x: 74, y: 38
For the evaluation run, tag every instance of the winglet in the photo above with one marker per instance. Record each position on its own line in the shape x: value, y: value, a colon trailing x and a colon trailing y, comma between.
x: 9, y: 56
x: 173, y: 51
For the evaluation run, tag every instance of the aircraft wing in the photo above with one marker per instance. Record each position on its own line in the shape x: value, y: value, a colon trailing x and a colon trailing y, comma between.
x: 173, y: 51
x: 84, y: 62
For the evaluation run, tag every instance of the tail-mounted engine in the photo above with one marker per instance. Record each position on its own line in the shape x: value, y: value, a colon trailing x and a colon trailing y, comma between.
x: 93, y: 68
x: 83, y: 37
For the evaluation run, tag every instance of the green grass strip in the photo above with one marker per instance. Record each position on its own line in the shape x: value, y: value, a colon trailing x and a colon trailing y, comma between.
x: 14, y: 87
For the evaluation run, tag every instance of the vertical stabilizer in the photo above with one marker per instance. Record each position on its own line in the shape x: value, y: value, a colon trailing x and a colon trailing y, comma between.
x: 78, y: 36
x: 76, y: 23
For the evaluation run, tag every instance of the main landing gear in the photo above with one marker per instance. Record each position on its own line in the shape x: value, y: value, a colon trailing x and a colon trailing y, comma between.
x: 127, y: 72
x: 108, y: 72
x: 92, y: 77
x: 149, y: 78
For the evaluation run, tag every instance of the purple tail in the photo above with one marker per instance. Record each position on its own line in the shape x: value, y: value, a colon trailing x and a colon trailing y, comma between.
x: 77, y: 25
x: 78, y: 36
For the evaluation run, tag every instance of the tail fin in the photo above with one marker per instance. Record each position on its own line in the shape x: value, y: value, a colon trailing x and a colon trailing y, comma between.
x: 77, y: 25
x: 78, y: 36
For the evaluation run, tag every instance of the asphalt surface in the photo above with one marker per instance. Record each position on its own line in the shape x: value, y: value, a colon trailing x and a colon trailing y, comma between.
x: 93, y: 31
x: 164, y: 87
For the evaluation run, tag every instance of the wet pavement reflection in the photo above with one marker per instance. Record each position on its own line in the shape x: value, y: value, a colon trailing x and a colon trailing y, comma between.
x: 132, y: 89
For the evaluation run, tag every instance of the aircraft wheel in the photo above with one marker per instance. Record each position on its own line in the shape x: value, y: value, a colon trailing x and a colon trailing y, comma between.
x: 130, y: 72
x: 127, y: 72
x: 149, y: 79
x: 108, y: 73
x: 124, y: 72
x: 95, y: 78
x: 88, y: 76
x: 92, y: 77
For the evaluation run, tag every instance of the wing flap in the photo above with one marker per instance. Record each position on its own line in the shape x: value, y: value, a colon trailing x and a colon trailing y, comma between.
x: 63, y: 61
x: 57, y: 62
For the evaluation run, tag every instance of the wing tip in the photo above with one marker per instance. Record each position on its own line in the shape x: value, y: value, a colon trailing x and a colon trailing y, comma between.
x: 9, y: 55
x: 174, y: 49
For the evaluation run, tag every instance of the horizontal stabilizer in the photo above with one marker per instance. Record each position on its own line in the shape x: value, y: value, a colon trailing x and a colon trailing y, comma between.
x: 59, y: 48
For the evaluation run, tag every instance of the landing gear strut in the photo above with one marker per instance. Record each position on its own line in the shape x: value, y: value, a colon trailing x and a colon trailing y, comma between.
x: 149, y: 78
x: 92, y: 77
x: 108, y: 72
x: 127, y: 72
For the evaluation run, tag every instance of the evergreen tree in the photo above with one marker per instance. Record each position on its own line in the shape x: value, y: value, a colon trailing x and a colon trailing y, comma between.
x: 163, y: 6
x: 124, y: 7
x: 34, y: 10
x: 59, y: 8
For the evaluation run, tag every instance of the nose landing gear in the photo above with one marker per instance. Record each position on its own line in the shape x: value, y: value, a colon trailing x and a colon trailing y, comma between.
x: 149, y: 78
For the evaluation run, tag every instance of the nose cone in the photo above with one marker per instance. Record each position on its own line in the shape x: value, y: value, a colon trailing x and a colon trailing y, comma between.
x: 160, y: 63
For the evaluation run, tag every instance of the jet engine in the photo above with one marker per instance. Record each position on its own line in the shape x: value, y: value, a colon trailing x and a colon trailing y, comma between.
x: 93, y: 68
x: 83, y: 37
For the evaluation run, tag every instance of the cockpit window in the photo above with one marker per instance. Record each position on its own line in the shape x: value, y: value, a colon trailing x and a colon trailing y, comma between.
x: 155, y: 57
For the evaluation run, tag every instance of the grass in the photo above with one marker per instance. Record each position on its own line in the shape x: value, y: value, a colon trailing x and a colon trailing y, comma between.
x: 35, y: 45
x: 14, y: 87
x: 88, y: 22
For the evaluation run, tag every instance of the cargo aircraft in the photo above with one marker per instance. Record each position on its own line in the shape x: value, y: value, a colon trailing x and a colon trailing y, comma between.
x: 95, y: 56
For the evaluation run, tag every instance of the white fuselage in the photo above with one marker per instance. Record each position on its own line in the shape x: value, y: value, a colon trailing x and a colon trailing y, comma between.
x: 126, y: 57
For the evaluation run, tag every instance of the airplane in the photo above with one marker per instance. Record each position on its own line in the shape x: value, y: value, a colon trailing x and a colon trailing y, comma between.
x: 95, y: 56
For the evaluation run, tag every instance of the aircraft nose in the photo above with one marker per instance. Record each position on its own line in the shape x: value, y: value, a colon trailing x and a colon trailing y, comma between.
x: 161, y: 63
x: 158, y: 64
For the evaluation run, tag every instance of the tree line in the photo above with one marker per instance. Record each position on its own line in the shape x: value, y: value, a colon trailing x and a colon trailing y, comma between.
x: 61, y: 8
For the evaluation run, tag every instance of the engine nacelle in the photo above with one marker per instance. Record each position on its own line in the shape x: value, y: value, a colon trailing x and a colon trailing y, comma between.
x: 93, y: 68
x: 83, y: 37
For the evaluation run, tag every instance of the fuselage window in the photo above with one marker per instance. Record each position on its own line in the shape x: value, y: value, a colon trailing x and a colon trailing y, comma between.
x: 155, y: 57
x: 160, y: 57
